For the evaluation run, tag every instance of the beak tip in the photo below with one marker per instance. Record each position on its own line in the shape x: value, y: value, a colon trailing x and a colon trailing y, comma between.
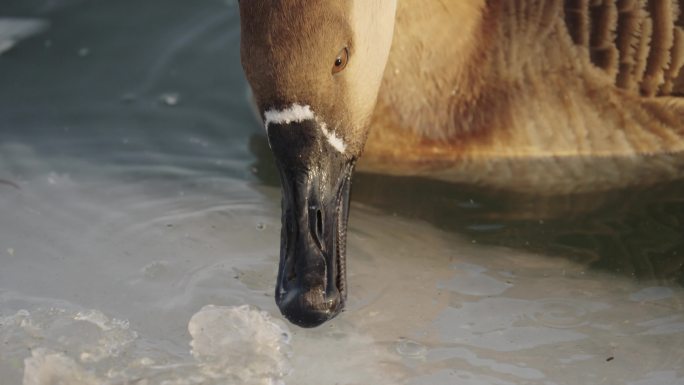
x: 309, y: 309
x: 310, y: 288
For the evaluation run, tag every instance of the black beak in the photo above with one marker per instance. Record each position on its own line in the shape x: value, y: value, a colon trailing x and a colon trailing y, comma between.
x: 316, y: 181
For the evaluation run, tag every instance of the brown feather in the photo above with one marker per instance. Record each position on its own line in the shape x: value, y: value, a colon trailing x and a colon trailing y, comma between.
x: 548, y: 90
x: 626, y: 41
x: 637, y: 43
x: 577, y: 19
x: 661, y: 12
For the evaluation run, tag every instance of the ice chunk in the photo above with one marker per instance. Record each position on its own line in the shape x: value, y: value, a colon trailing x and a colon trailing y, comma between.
x: 59, y: 340
x: 241, y: 343
x: 58, y: 346
x: 49, y: 368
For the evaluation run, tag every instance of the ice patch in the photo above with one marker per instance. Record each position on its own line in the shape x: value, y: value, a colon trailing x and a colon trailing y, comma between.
x: 49, y: 368
x: 90, y: 336
x: 230, y: 346
x: 53, y: 344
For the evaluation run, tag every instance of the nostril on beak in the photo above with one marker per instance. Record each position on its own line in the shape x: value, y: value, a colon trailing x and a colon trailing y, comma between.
x: 289, y: 266
x: 316, y: 225
x: 319, y: 223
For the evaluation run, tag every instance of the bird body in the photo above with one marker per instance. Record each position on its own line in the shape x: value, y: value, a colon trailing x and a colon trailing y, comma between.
x: 546, y: 96
x: 541, y: 96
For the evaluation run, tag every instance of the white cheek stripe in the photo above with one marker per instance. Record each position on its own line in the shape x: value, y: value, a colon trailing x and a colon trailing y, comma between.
x: 334, y: 140
x: 297, y: 113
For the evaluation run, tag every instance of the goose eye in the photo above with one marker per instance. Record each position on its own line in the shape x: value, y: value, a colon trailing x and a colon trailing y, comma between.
x: 341, y: 60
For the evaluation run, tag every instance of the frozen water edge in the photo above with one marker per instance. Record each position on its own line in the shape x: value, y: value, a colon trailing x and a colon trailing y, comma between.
x: 147, y: 269
x: 241, y: 343
x: 135, y: 310
x: 230, y: 345
x: 129, y: 211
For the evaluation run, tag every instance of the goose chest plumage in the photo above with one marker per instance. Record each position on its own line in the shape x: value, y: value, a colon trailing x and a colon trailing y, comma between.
x: 544, y: 96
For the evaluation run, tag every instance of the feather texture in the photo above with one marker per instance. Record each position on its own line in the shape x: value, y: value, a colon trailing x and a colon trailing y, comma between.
x: 638, y: 43
x: 552, y: 95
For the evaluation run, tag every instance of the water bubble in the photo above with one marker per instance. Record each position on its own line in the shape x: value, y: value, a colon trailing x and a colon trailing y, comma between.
x: 409, y: 348
x: 170, y: 98
x: 560, y: 313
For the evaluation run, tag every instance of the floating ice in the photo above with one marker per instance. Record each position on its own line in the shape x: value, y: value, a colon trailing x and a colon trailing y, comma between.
x: 50, y: 368
x: 240, y: 342
x: 230, y: 346
x: 89, y: 336
x: 55, y: 345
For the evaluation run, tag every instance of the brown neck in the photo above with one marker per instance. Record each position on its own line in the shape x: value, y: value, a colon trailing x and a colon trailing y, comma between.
x: 439, y: 58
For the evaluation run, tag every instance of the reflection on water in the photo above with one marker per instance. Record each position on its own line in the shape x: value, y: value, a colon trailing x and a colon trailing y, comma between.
x: 139, y: 212
x: 637, y: 232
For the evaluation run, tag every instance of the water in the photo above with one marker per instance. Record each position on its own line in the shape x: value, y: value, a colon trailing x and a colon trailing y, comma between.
x: 140, y: 221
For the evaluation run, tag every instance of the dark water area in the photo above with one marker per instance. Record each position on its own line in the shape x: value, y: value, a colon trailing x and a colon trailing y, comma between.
x: 637, y: 232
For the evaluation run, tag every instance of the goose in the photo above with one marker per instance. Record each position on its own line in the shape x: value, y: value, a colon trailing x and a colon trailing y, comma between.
x: 543, y: 96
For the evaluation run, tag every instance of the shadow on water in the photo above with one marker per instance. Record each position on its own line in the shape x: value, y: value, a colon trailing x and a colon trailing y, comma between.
x: 636, y: 232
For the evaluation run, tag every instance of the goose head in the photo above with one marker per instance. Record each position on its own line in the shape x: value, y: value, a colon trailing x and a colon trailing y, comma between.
x: 315, y: 68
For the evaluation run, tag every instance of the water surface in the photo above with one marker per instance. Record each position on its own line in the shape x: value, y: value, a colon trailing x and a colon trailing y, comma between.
x: 140, y: 223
